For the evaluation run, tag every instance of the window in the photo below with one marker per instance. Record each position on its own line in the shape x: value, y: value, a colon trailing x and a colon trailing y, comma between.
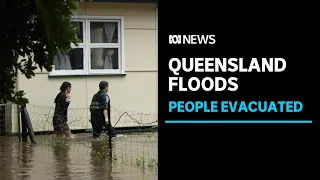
x: 100, y: 50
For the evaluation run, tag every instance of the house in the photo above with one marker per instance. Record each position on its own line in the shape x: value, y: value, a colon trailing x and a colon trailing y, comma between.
x: 119, y: 46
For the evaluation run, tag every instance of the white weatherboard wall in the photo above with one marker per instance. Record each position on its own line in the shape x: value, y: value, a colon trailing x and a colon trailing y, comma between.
x: 135, y: 92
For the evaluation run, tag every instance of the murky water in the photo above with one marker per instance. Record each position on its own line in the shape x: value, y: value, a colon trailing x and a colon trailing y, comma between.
x: 132, y: 156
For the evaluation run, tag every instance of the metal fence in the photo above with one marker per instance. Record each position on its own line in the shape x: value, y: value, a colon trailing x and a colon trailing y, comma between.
x: 137, y: 141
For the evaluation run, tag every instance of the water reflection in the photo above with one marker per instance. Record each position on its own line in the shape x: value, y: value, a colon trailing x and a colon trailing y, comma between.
x: 101, y: 160
x: 26, y: 153
x: 82, y: 158
x: 61, y: 160
x: 6, y: 150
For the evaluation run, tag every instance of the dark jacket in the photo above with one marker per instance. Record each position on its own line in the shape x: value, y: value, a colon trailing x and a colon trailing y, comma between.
x: 99, y: 103
x: 61, y: 108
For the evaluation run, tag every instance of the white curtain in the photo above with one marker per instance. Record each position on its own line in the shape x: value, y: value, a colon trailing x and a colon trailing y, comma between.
x: 62, y: 61
x: 101, y: 59
x: 97, y: 53
x: 109, y: 31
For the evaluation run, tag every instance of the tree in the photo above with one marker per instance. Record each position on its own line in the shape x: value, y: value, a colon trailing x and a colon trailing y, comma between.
x: 31, y: 33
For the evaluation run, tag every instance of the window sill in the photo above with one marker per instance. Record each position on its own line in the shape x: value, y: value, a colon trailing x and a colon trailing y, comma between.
x: 82, y: 75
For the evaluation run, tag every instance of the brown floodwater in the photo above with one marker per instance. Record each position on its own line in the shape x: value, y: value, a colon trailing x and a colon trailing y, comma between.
x: 132, y: 156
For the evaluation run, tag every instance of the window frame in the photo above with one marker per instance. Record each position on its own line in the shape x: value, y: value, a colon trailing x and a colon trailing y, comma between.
x: 87, y: 45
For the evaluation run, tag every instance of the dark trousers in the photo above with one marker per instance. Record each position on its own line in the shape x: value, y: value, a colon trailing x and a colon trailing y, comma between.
x: 99, y: 126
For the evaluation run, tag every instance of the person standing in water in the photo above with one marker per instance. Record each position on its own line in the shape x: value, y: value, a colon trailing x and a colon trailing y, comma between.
x: 100, y: 112
x: 60, y: 117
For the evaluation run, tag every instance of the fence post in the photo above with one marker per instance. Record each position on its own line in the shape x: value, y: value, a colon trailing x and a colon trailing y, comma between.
x: 29, y: 125
x: 19, y: 123
x: 24, y: 125
x: 27, y: 128
x: 110, y: 147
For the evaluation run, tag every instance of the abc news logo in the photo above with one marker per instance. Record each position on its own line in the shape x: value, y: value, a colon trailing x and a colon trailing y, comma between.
x: 192, y: 39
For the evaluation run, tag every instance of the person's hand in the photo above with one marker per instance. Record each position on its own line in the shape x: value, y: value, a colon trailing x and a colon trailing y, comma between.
x: 107, y: 121
x: 68, y: 96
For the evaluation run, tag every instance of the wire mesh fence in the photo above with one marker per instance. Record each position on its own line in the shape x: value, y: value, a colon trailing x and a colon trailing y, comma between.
x: 136, y: 143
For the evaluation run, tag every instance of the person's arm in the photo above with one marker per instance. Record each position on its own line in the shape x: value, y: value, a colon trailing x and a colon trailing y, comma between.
x: 68, y: 98
x: 64, y: 100
x: 104, y: 104
x: 105, y: 113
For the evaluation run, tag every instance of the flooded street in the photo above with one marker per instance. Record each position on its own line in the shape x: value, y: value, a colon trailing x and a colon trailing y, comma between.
x: 132, y: 156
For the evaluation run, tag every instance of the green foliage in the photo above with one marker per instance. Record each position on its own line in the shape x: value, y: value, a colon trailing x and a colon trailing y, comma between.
x: 140, y: 161
x: 100, y: 149
x: 60, y: 145
x: 31, y: 33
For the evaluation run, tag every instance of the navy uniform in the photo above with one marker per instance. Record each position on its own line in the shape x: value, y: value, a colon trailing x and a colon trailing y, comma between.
x: 99, y: 103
